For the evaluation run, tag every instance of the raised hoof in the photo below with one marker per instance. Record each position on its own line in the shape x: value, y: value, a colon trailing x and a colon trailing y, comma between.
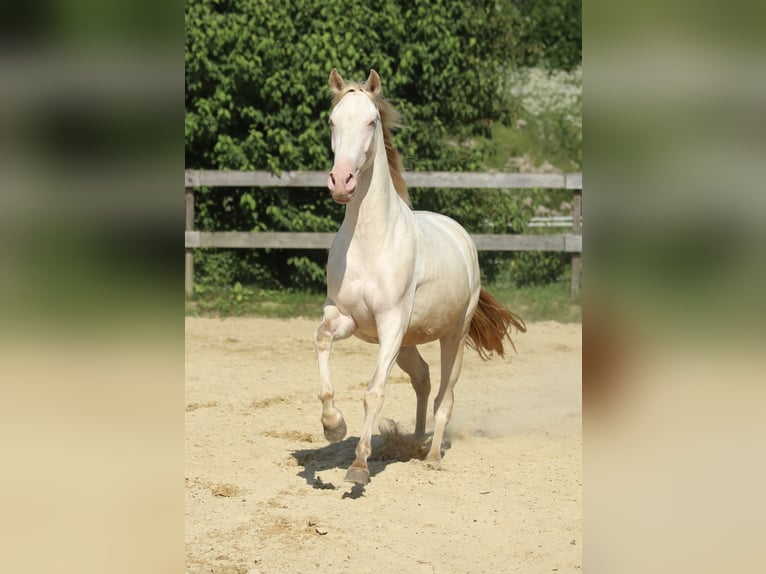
x: 337, y: 433
x: 358, y: 475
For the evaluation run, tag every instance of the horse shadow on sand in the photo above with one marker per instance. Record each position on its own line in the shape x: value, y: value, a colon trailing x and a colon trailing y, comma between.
x: 391, y: 446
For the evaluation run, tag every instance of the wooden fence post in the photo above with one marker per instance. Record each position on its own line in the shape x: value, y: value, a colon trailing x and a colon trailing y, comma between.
x: 577, y: 230
x: 189, y: 252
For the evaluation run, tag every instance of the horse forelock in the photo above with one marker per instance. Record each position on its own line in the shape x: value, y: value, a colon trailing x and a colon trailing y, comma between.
x: 389, y: 119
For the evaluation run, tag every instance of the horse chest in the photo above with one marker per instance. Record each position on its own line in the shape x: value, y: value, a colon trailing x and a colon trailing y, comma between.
x: 356, y: 294
x: 363, y: 286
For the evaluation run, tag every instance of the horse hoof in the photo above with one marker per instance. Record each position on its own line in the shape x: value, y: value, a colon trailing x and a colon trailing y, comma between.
x: 358, y: 475
x: 337, y: 433
x: 434, y: 458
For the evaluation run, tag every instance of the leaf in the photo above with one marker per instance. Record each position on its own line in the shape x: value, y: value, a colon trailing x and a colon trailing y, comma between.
x: 247, y: 201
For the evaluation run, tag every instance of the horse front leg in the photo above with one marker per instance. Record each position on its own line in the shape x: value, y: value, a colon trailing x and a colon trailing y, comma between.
x: 390, y: 334
x: 334, y: 327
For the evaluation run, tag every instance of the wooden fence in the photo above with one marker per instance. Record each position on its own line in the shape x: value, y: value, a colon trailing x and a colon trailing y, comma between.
x: 567, y: 242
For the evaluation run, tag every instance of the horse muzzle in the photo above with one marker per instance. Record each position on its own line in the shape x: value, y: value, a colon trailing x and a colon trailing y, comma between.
x: 342, y: 198
x: 342, y: 185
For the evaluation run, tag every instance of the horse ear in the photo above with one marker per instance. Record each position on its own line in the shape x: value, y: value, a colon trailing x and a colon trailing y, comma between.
x: 336, y: 82
x: 373, y: 82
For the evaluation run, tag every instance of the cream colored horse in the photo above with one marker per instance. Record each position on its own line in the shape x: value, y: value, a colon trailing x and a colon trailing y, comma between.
x: 395, y: 277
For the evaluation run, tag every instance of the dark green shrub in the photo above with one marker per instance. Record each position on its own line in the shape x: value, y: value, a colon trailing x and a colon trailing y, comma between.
x: 257, y: 99
x: 539, y: 267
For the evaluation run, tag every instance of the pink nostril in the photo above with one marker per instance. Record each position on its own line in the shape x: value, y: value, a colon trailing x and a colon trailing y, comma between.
x: 341, y: 181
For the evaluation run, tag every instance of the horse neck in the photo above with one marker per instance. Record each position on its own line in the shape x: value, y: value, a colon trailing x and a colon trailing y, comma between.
x: 379, y: 205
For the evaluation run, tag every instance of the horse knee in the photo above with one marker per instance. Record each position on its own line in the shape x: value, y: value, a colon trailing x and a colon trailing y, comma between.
x: 334, y: 327
x: 373, y: 398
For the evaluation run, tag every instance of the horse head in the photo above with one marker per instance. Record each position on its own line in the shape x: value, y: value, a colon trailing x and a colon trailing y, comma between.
x: 353, y: 121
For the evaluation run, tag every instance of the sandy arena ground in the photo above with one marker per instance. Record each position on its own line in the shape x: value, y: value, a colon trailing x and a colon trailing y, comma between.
x: 265, y: 491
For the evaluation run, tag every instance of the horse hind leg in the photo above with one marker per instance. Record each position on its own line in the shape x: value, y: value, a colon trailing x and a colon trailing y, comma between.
x: 334, y: 327
x: 412, y: 363
x: 452, y: 362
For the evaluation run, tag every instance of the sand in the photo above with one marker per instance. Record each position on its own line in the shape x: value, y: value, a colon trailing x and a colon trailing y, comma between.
x: 265, y: 492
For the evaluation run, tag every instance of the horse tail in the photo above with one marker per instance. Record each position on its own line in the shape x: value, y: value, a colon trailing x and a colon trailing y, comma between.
x: 491, y: 323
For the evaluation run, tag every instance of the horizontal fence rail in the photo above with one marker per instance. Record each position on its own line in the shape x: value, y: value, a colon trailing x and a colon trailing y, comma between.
x: 552, y: 221
x: 447, y: 179
x: 566, y: 242
x: 287, y: 240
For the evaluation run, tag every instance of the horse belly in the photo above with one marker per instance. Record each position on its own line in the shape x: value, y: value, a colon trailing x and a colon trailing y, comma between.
x: 420, y: 334
x: 435, y: 313
x: 449, y: 283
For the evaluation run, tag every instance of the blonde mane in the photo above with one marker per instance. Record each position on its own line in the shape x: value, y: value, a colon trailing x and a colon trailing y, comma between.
x: 389, y: 118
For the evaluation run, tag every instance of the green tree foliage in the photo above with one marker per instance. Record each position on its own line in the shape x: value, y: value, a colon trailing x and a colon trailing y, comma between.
x: 547, y: 33
x: 256, y: 76
x: 257, y: 99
